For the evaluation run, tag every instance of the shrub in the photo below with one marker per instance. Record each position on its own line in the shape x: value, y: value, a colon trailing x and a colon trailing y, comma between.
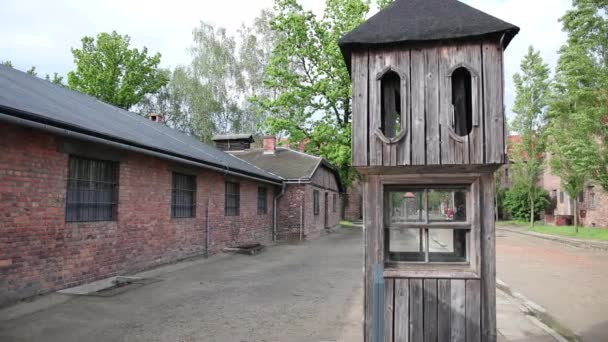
x: 517, y: 202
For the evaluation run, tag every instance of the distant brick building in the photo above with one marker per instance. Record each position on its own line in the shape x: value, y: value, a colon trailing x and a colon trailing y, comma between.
x: 90, y: 191
x: 311, y: 201
x: 592, y: 201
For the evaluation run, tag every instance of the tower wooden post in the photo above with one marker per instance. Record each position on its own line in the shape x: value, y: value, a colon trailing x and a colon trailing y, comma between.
x: 428, y: 134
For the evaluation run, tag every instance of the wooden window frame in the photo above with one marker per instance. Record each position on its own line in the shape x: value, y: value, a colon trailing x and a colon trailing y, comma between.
x: 475, y: 102
x: 262, y: 200
x: 88, y: 175
x: 334, y: 202
x: 183, y: 186
x: 469, y: 270
x: 230, y: 210
x: 315, y: 202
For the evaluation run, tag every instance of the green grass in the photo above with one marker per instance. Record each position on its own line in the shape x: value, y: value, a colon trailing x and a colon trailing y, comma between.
x: 348, y: 224
x: 583, y: 232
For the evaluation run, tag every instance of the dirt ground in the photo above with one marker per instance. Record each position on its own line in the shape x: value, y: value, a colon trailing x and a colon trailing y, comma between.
x: 570, y: 282
x: 299, y: 292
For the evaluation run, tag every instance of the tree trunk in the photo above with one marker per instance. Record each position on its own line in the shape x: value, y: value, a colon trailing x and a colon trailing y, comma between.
x: 576, y: 215
x: 531, y: 210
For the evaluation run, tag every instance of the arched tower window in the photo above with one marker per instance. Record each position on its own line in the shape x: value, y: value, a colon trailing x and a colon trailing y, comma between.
x: 462, y: 101
x: 390, y: 85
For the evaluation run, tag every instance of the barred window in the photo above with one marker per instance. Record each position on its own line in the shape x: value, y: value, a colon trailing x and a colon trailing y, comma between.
x: 233, y: 199
x: 315, y: 202
x: 92, y: 190
x: 262, y: 200
x: 335, y: 202
x: 183, y: 196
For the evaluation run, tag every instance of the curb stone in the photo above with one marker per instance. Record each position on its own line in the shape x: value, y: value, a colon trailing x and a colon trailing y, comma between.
x: 588, y: 244
x: 538, y: 315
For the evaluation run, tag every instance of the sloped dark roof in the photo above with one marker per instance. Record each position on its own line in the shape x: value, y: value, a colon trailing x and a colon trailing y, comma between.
x: 286, y: 163
x: 289, y: 164
x: 34, y: 99
x: 233, y: 137
x: 415, y: 21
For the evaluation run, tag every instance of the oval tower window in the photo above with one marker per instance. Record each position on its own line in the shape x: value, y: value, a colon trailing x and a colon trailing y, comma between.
x: 462, y: 101
x: 390, y: 85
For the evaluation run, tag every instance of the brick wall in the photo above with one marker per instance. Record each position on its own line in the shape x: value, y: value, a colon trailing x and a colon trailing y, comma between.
x: 291, y: 208
x: 353, y: 210
x: 597, y: 215
x: 325, y: 182
x: 39, y: 252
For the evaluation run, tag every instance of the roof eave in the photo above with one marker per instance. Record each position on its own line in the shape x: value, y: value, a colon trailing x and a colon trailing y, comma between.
x: 34, y: 118
x: 347, y: 48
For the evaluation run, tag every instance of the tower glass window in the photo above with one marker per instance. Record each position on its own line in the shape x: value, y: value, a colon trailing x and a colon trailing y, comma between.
x: 427, y: 224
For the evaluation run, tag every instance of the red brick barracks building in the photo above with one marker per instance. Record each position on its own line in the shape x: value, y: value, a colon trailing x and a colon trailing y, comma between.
x: 89, y: 191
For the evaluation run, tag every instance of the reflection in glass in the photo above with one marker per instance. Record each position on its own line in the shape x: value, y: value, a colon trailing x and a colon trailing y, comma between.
x: 447, y: 245
x: 406, y: 244
x: 447, y: 205
x: 406, y: 206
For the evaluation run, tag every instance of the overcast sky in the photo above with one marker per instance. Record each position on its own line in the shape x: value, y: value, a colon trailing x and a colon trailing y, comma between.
x: 41, y: 32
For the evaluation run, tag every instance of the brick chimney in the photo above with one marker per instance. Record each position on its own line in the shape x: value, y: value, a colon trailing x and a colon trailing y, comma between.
x: 156, y: 117
x: 270, y: 144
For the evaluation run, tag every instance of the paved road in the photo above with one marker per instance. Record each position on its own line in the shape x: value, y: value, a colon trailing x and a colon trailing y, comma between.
x: 570, y: 282
x: 288, y: 293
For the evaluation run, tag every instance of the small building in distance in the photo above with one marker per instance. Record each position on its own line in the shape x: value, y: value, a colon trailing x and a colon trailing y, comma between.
x: 233, y: 142
x: 592, y: 201
x: 311, y: 201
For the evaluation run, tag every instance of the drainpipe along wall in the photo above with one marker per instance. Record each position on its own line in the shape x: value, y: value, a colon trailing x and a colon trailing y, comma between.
x: 274, y: 211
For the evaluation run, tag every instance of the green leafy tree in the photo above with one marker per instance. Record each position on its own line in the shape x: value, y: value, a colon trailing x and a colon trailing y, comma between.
x: 56, y: 79
x: 532, y: 92
x: 211, y: 94
x: 309, y: 79
x: 578, y: 116
x: 107, y: 68
x: 383, y: 3
x: 32, y: 71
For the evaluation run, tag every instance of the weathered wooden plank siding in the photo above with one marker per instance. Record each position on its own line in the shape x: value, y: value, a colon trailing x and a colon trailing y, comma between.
x: 433, y: 310
x: 488, y: 263
x: 427, y: 109
x: 404, y: 147
x: 458, y: 318
x: 359, y: 110
x: 389, y: 309
x: 473, y: 307
x: 444, y: 302
x: 430, y: 310
x: 372, y: 216
x: 418, y: 139
x: 493, y: 102
x: 431, y: 100
x: 416, y: 311
x: 376, y: 64
x: 402, y: 310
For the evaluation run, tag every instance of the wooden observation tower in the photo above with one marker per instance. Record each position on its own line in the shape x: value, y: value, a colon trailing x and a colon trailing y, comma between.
x: 428, y: 135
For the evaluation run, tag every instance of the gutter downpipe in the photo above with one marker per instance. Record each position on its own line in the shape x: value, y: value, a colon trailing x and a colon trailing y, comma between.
x: 101, y: 141
x: 274, y: 211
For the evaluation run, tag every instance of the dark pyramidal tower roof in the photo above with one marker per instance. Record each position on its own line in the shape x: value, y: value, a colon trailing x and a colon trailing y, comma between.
x: 415, y: 21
